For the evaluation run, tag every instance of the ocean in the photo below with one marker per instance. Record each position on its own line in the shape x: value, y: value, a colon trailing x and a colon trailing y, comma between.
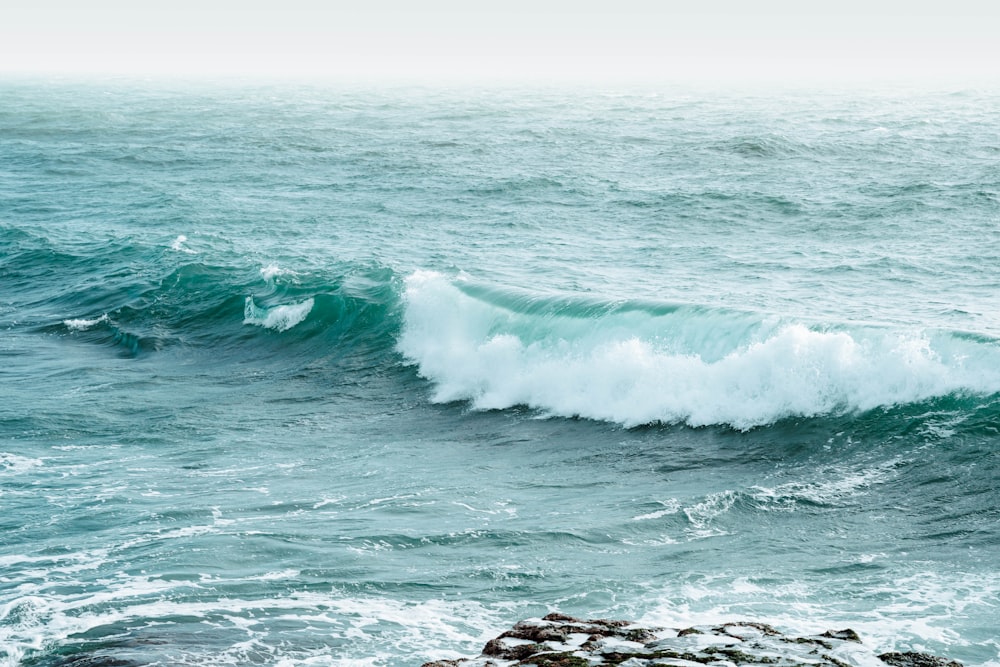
x: 306, y: 374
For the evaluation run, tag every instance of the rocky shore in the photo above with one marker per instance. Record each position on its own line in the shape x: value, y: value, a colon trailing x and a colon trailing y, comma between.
x: 563, y: 641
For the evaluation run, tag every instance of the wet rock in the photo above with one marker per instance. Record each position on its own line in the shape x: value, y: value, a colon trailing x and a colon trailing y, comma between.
x: 558, y: 640
x: 740, y: 630
x: 516, y: 652
x: 688, y: 631
x: 914, y: 659
x: 536, y: 634
x: 562, y: 618
x: 565, y: 659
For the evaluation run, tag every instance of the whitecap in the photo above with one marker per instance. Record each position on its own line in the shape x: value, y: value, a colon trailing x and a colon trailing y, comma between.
x: 178, y: 245
x: 84, y: 324
x: 16, y: 464
x: 279, y: 318
x: 272, y: 271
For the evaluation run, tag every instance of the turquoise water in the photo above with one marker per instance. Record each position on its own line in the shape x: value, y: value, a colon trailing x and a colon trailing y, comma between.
x: 304, y: 375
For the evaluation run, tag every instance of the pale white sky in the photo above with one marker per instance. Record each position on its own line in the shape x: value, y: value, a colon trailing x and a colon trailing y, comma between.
x: 588, y: 40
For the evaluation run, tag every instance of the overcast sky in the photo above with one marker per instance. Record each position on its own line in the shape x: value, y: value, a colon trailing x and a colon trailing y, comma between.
x: 626, y: 40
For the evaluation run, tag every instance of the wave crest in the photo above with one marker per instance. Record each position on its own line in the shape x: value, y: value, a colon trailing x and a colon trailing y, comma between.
x: 634, y: 366
x: 83, y: 324
x: 279, y: 318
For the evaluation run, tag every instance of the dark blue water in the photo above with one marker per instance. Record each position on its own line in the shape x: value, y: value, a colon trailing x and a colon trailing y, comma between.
x: 327, y: 376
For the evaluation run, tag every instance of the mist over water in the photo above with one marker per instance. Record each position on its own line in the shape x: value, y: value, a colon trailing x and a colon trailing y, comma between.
x: 305, y: 375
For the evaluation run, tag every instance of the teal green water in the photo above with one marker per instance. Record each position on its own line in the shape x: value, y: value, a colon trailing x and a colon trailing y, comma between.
x: 342, y: 376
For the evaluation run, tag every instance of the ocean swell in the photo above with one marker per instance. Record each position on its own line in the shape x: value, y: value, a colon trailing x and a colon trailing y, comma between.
x: 635, y: 365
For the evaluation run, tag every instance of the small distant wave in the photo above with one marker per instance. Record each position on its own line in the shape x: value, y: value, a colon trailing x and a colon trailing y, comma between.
x: 766, y: 145
x: 106, y: 331
x: 279, y: 318
x: 83, y: 324
x: 633, y: 364
x: 671, y: 506
x: 194, y: 304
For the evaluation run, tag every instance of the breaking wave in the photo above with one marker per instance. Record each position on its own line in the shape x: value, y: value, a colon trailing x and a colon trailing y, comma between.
x: 635, y: 363
x: 279, y: 318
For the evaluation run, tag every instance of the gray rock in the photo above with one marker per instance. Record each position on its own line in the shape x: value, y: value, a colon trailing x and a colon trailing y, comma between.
x: 914, y: 659
x: 564, y: 641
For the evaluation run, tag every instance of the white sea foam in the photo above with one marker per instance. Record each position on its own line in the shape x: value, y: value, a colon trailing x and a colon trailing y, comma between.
x: 831, y: 487
x: 377, y: 628
x: 916, y: 612
x: 178, y: 245
x: 83, y: 324
x: 279, y: 318
x: 603, y: 369
x: 702, y: 515
x: 672, y: 506
x: 272, y: 271
x: 16, y: 464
